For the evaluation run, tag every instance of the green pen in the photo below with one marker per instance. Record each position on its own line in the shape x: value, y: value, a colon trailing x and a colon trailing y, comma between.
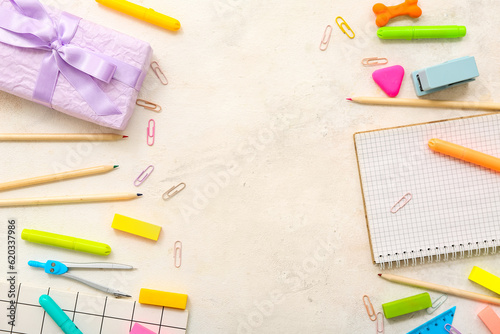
x: 64, y: 241
x: 57, y: 314
x: 417, y: 32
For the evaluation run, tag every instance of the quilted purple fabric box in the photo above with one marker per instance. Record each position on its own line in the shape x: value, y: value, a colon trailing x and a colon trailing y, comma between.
x: 70, y: 64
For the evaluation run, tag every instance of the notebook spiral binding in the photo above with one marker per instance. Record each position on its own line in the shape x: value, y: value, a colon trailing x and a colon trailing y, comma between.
x: 445, y: 253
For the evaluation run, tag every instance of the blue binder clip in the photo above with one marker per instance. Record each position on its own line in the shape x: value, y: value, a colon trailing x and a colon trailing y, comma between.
x: 449, y: 74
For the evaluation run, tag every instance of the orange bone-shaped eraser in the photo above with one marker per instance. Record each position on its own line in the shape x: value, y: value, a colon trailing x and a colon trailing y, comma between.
x: 385, y: 13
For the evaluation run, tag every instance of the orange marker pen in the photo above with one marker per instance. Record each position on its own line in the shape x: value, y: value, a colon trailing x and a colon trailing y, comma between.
x: 465, y: 154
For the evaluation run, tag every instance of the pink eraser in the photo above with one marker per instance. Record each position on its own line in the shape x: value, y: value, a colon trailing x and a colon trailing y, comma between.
x: 490, y: 319
x: 139, y: 329
x: 389, y: 79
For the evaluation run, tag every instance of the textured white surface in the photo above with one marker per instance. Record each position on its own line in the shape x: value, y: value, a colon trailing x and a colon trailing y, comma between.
x: 256, y: 124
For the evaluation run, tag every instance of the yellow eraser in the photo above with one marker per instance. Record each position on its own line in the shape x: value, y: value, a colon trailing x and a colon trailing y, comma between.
x: 162, y: 298
x: 137, y: 227
x: 484, y: 278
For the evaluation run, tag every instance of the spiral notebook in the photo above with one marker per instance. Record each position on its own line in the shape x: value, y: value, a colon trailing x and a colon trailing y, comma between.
x: 452, y: 207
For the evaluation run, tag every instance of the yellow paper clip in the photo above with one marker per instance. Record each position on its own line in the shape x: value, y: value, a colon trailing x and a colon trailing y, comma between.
x: 380, y: 323
x: 159, y: 73
x: 323, y: 45
x: 173, y: 191
x: 369, y: 308
x: 151, y: 132
x: 374, y: 61
x: 401, y: 202
x: 144, y: 175
x: 343, y: 24
x: 177, y: 254
x: 148, y: 105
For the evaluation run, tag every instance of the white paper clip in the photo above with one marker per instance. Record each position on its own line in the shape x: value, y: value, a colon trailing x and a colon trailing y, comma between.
x: 144, y: 175
x: 452, y: 329
x: 435, y: 304
x: 380, y: 323
x: 401, y: 202
x: 374, y: 61
x: 177, y: 254
x: 151, y: 132
x: 323, y: 45
x: 173, y: 191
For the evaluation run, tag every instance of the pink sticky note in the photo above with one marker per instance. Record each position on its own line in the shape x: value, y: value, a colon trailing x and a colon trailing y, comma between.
x: 389, y: 79
x: 490, y: 319
x: 139, y: 329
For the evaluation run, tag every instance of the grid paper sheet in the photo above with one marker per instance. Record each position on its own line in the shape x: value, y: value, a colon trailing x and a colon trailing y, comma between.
x: 455, y: 204
x: 92, y: 314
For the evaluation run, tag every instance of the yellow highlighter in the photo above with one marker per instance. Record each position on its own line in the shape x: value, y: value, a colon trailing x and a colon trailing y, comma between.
x: 142, y: 13
x: 465, y: 154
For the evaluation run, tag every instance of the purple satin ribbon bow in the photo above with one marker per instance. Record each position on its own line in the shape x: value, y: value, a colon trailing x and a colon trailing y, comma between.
x: 31, y: 27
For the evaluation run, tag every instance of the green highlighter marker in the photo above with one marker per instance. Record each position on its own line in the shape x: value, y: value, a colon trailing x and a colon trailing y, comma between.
x: 417, y: 32
x: 57, y: 314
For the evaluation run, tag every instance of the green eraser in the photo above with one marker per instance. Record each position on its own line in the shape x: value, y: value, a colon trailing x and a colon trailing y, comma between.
x: 407, y: 305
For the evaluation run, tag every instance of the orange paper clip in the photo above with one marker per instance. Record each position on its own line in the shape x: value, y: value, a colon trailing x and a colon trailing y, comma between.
x: 343, y: 24
x: 159, y: 73
x: 401, y: 202
x: 177, y: 254
x: 151, y: 132
x: 369, y: 308
x: 148, y: 105
x: 374, y: 61
x: 144, y: 175
x: 173, y: 191
x: 323, y: 45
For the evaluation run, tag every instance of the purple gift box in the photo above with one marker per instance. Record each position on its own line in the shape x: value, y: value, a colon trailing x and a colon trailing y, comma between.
x: 70, y: 64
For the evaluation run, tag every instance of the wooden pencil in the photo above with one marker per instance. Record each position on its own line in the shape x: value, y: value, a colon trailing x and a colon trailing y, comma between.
x: 441, y: 288
x: 486, y: 106
x: 68, y: 199
x: 56, y: 177
x: 60, y: 136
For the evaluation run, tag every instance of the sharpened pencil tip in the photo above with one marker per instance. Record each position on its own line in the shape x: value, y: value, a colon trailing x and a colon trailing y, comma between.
x: 125, y: 137
x: 139, y: 194
x: 116, y: 166
x: 380, y: 274
x: 348, y: 99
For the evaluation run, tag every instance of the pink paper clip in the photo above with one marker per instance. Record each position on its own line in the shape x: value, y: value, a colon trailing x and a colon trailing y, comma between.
x: 323, y: 45
x: 369, y: 308
x: 144, y: 175
x: 380, y: 323
x: 452, y: 329
x: 401, y: 202
x: 159, y: 73
x: 177, y: 254
x: 151, y: 132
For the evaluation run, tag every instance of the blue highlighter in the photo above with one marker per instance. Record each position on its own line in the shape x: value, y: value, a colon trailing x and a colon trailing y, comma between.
x: 57, y: 314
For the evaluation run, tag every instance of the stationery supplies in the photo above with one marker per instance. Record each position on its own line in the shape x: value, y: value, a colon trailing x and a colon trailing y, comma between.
x: 61, y: 268
x: 486, y: 106
x: 385, y: 13
x: 344, y: 27
x: 380, y: 323
x: 407, y: 305
x: 144, y: 175
x: 177, y: 254
x: 57, y: 314
x: 323, y: 45
x: 69, y: 63
x: 93, y: 313
x: 450, y: 329
x: 465, y: 154
x: 437, y: 303
x: 159, y: 72
x: 142, y: 13
x: 173, y: 191
x: 490, y: 319
x: 401, y: 202
x: 454, y: 208
x: 135, y: 226
x: 449, y: 74
x: 150, y: 132
x: 64, y: 241
x: 389, y: 79
x: 139, y: 329
x: 61, y: 136
x: 56, y: 177
x: 148, y: 105
x: 162, y: 298
x: 68, y: 199
x: 484, y: 278
x: 369, y: 308
x: 441, y: 288
x: 436, y: 324
x: 417, y: 32
x: 374, y: 61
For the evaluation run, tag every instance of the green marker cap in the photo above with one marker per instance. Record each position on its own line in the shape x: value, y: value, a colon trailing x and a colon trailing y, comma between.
x: 417, y: 32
